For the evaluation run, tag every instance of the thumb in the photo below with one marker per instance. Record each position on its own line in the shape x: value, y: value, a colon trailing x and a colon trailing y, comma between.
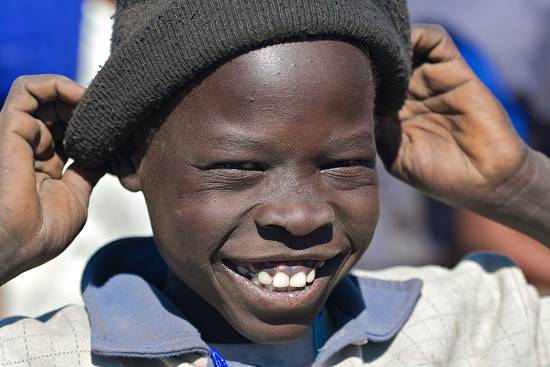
x: 82, y: 180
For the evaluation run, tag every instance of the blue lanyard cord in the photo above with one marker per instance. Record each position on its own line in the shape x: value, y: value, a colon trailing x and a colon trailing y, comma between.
x: 319, y: 333
x: 217, y: 358
x: 319, y: 339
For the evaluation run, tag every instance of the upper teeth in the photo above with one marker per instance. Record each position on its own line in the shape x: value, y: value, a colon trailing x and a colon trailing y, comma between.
x: 310, y: 276
x: 265, y: 278
x: 280, y: 278
x: 298, y: 280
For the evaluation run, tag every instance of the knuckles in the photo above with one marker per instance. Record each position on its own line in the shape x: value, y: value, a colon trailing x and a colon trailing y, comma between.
x: 23, y: 82
x: 434, y: 29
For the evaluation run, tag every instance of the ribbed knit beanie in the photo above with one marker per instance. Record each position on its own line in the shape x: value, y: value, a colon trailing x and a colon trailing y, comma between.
x: 161, y: 46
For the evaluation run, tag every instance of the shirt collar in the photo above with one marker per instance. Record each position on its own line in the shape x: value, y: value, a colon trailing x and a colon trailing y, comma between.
x: 122, y: 291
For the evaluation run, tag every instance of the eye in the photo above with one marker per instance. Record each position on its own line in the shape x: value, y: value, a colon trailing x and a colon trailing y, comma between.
x: 349, y: 163
x: 240, y: 166
x: 349, y: 174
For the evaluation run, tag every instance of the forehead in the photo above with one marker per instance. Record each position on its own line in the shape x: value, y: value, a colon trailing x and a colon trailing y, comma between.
x: 306, y: 83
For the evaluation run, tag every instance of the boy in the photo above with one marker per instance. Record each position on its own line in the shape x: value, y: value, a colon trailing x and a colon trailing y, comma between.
x: 259, y: 178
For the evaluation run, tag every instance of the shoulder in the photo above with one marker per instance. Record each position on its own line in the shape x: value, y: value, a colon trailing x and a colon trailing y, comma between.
x: 480, y: 283
x: 489, y: 273
x: 59, y: 338
x: 483, y: 310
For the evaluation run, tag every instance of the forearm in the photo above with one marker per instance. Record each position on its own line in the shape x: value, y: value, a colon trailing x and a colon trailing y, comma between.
x: 523, y: 202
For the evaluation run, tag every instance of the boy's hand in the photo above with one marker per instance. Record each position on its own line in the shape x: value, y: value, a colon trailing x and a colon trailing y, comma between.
x: 42, y: 209
x: 452, y: 139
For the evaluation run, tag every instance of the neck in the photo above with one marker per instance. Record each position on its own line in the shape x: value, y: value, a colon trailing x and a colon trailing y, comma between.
x: 210, y: 323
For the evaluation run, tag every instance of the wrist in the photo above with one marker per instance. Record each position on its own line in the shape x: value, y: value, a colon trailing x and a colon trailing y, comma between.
x: 523, y: 200
x: 15, y: 257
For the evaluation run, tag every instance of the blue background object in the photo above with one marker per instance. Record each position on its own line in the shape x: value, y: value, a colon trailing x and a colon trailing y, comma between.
x: 42, y: 37
x: 38, y: 37
x: 487, y: 72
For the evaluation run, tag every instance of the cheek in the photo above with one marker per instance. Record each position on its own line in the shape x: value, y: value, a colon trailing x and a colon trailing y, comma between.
x: 189, y: 222
x: 188, y: 232
x: 359, y: 212
x: 188, y: 229
x: 191, y: 226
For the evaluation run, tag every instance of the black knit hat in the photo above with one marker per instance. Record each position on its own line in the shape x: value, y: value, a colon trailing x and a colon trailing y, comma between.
x: 160, y: 46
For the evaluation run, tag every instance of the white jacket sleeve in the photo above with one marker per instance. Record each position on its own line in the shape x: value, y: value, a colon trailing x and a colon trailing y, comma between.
x: 481, y: 313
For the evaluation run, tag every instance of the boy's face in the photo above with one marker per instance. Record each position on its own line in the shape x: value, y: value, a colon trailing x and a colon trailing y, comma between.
x: 266, y: 170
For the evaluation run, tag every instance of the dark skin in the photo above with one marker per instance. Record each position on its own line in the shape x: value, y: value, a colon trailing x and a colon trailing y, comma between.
x: 450, y: 113
x: 275, y: 154
x: 296, y: 183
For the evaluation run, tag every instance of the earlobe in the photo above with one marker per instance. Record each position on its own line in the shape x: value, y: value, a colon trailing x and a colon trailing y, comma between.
x: 125, y: 165
x: 131, y: 182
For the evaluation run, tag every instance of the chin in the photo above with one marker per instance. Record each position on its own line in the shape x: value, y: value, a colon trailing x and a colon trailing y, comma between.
x: 267, y: 315
x: 274, y: 334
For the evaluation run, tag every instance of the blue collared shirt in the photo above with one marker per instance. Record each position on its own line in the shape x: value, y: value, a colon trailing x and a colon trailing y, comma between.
x: 130, y: 316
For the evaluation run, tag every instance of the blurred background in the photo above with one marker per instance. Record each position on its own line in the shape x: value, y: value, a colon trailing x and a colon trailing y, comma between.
x: 507, y: 43
x: 72, y: 38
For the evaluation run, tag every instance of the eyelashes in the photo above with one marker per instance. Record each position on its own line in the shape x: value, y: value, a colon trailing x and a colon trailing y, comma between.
x: 344, y: 174
x: 255, y: 166
x: 240, y: 166
x: 344, y: 169
x: 348, y: 163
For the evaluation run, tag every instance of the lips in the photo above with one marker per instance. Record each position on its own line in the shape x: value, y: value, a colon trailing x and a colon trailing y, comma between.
x: 278, y: 276
x: 237, y: 268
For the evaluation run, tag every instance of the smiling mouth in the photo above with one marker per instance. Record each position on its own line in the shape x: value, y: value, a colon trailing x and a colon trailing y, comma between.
x: 280, y: 276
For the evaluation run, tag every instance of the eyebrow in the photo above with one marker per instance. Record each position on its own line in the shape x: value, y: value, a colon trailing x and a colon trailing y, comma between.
x: 242, y: 142
x: 358, y: 141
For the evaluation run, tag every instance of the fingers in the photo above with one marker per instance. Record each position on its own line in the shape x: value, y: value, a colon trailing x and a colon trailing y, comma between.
x: 439, y: 69
x: 435, y: 79
x: 82, y: 180
x: 20, y: 135
x: 29, y: 92
x: 441, y: 81
x: 38, y: 99
x: 431, y: 43
x: 48, y: 159
x: 35, y: 105
x: 26, y: 142
x: 39, y: 207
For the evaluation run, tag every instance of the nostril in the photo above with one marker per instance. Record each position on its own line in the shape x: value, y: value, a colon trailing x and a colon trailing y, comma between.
x: 299, y: 219
x: 319, y: 236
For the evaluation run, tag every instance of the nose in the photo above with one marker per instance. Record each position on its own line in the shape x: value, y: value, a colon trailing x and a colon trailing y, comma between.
x: 299, y: 218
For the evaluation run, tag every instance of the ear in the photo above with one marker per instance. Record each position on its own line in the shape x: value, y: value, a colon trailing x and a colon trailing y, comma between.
x: 125, y: 163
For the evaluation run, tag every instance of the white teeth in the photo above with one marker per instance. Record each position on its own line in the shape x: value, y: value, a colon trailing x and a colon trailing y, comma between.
x: 281, y: 280
x: 265, y: 278
x: 241, y: 270
x: 298, y: 280
x: 321, y: 264
x: 310, y: 276
x: 256, y: 281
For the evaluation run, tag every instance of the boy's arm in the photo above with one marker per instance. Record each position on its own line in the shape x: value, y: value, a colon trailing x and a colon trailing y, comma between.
x: 523, y: 201
x: 454, y: 141
x: 42, y: 208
